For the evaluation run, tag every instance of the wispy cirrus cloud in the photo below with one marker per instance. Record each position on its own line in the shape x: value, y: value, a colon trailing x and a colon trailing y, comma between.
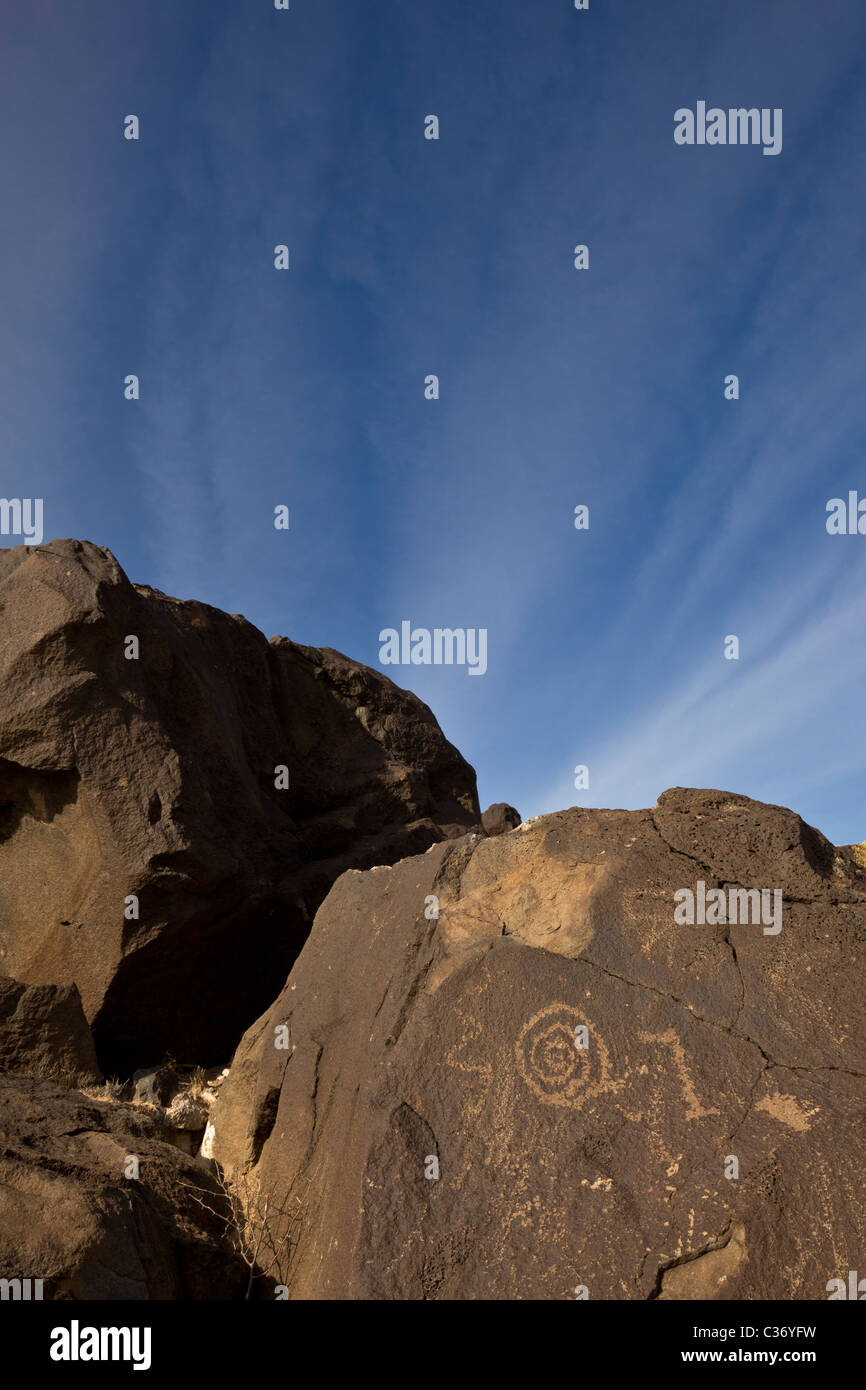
x: 557, y: 387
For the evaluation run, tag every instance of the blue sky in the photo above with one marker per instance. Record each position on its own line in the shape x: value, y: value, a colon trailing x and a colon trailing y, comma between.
x: 558, y: 387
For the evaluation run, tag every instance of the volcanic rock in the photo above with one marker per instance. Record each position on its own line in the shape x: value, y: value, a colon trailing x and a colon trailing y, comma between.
x: 187, y: 1112
x: 43, y: 1030
x: 177, y: 794
x: 71, y: 1217
x: 553, y: 1086
x: 154, y: 1085
x: 499, y: 818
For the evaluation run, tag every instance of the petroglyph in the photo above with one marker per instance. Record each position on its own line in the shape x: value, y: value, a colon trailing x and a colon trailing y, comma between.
x: 670, y: 1038
x: 482, y: 1073
x: 553, y: 1067
x: 559, y: 1073
x: 786, y: 1110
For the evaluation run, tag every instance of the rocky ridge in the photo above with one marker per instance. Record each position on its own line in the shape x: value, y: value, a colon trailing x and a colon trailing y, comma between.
x: 470, y: 1058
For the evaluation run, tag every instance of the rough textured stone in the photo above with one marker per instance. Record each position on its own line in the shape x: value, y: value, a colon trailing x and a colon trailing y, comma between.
x: 43, y: 1030
x: 154, y: 1085
x: 499, y: 818
x: 187, y: 1112
x: 70, y: 1217
x: 413, y: 1038
x: 155, y: 777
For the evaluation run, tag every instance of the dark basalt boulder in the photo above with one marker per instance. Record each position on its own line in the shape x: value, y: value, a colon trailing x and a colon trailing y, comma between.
x: 43, y: 1030
x: 499, y: 818
x: 178, y: 794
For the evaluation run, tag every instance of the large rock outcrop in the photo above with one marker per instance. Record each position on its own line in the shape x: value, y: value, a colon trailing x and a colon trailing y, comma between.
x: 72, y: 1216
x: 556, y: 1085
x: 150, y: 851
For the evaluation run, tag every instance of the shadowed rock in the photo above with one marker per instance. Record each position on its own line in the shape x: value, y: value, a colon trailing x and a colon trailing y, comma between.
x: 499, y: 818
x: 154, y: 1085
x: 43, y: 1030
x: 71, y: 1217
x: 148, y: 852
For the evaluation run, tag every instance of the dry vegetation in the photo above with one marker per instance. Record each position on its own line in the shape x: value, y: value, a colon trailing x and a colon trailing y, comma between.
x: 261, y: 1229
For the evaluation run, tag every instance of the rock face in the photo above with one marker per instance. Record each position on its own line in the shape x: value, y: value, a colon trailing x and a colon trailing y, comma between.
x: 145, y: 746
x: 43, y: 1030
x: 559, y: 1084
x: 70, y: 1217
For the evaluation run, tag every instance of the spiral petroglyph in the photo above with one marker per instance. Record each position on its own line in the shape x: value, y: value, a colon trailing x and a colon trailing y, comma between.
x: 551, y: 1064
